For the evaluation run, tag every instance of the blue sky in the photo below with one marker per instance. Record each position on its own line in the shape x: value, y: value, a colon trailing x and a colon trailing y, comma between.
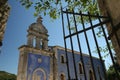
x: 16, y: 32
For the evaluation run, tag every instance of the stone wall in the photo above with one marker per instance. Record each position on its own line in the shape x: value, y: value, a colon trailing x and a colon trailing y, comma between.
x: 112, y: 7
x: 4, y: 13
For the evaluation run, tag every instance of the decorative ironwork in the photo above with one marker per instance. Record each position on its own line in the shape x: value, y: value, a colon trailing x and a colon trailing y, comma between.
x: 102, y: 20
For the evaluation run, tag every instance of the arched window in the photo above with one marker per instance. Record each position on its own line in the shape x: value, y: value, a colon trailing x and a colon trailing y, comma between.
x: 99, y: 73
x: 62, y: 77
x: 91, y: 75
x: 62, y: 59
x: 34, y: 41
x: 80, y: 68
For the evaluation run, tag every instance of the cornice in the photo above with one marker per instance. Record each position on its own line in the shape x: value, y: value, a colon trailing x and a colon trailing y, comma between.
x: 28, y: 49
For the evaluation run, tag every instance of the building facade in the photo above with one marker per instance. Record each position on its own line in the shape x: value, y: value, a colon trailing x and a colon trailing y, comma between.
x: 38, y: 61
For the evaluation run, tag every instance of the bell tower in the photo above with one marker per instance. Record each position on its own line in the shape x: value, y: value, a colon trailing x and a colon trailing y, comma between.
x: 37, y: 34
x: 35, y: 58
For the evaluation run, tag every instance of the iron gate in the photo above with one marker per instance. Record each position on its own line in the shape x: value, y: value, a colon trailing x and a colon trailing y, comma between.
x: 83, y: 28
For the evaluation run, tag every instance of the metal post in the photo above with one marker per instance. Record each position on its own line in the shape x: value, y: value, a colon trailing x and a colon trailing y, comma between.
x: 79, y: 45
x: 88, y: 46
x: 67, y: 63
x: 73, y: 54
x: 98, y: 50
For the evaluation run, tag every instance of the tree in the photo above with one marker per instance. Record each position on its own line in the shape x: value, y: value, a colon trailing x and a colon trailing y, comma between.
x: 7, y: 76
x: 111, y: 74
x: 52, y: 7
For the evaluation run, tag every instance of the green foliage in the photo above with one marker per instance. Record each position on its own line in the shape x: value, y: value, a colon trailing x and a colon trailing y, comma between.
x: 111, y: 74
x: 52, y: 7
x: 104, y: 49
x: 7, y: 76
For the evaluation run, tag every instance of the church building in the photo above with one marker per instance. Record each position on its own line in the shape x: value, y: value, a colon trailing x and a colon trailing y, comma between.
x: 38, y: 61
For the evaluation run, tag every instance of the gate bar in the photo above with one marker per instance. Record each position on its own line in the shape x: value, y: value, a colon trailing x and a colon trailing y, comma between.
x: 84, y: 14
x: 86, y: 29
x: 67, y: 61
x: 88, y: 45
x: 79, y: 45
x: 73, y: 55
x: 98, y: 50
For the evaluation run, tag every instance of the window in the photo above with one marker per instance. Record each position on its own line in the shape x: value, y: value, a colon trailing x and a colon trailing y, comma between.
x: 62, y: 77
x: 80, y: 68
x: 62, y: 59
x: 91, y: 75
x: 34, y: 42
x: 99, y: 73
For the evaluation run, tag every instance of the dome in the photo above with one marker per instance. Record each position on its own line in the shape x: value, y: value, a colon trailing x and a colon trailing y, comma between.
x: 38, y: 26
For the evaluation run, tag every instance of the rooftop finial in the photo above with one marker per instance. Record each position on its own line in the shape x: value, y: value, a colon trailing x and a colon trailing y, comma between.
x: 39, y: 19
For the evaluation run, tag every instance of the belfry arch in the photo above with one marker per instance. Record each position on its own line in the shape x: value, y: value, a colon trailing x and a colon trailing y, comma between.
x: 37, y: 32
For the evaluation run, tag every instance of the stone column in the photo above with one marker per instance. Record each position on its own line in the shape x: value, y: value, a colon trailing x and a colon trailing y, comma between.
x: 30, y: 41
x: 38, y: 42
x: 22, y: 66
x: 19, y: 74
x: 45, y: 44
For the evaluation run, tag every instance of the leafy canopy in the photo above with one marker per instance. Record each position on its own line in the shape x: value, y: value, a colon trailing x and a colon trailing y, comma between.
x: 52, y: 7
x: 111, y: 74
